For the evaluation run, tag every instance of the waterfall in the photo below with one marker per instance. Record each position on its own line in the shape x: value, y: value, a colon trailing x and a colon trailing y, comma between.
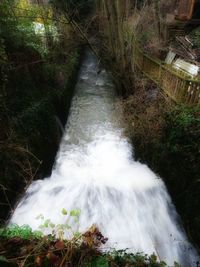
x: 95, y: 172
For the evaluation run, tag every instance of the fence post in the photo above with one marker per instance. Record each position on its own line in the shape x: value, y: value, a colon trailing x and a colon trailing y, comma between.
x: 176, y: 85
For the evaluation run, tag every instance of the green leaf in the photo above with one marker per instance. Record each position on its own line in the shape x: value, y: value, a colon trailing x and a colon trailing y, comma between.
x: 46, y: 223
x: 64, y: 212
x: 75, y: 213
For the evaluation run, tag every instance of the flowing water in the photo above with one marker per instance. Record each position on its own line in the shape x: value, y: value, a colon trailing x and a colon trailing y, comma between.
x: 96, y: 173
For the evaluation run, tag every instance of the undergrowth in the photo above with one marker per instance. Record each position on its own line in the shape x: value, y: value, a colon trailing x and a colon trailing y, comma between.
x: 37, y: 78
x: 166, y: 137
x: 20, y: 246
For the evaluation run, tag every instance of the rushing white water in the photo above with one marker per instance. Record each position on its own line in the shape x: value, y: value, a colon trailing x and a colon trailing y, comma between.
x: 95, y: 172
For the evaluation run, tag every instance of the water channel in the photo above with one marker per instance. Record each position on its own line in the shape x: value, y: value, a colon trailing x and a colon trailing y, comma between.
x: 95, y: 172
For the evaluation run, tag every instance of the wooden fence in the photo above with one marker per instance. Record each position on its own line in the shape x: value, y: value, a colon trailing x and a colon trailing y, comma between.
x: 176, y: 84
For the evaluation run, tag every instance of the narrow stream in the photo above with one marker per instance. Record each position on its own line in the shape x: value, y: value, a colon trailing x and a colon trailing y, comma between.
x: 96, y: 173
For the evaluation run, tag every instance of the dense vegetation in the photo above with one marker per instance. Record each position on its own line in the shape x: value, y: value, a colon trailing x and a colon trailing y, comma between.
x: 171, y: 148
x: 176, y: 158
x: 22, y: 247
x: 38, y: 69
